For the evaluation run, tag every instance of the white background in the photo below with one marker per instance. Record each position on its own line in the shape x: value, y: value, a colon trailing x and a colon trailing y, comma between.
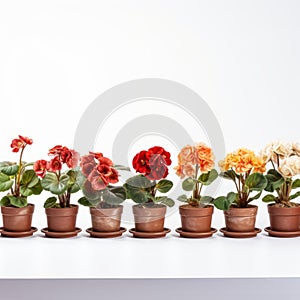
x: 56, y: 57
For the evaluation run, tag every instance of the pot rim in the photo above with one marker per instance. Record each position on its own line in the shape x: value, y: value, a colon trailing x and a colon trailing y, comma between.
x: 19, y: 208
x: 73, y: 206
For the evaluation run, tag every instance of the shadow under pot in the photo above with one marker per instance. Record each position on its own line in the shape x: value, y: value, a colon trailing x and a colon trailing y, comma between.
x: 196, y: 219
x: 285, y: 219
x: 241, y: 219
x: 17, y: 219
x: 149, y: 218
x: 106, y: 219
x: 62, y: 219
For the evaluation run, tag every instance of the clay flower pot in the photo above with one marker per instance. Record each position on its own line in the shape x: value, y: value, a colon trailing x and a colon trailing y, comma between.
x: 284, y: 218
x: 17, y: 219
x: 149, y: 218
x: 62, y: 219
x: 106, y: 219
x: 241, y: 219
x: 196, y: 219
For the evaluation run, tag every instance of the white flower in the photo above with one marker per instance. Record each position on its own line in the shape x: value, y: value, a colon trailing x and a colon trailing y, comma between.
x: 296, y: 148
x: 290, y: 166
x: 276, y: 150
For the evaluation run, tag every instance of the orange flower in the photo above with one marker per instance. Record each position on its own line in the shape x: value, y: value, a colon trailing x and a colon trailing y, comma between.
x: 242, y: 161
x: 187, y: 155
x: 205, y: 157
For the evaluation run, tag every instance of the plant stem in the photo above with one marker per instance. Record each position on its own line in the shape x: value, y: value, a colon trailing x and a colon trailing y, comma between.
x: 17, y: 181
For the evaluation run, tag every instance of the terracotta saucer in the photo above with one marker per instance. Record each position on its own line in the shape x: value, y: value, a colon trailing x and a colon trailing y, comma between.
x: 149, y: 235
x: 283, y: 234
x: 54, y: 234
x: 196, y: 235
x: 240, y: 235
x: 17, y: 234
x: 102, y: 234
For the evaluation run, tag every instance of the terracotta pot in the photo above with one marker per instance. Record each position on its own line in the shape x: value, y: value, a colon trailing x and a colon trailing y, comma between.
x: 149, y: 218
x: 17, y: 219
x: 284, y: 218
x: 241, y: 219
x: 196, y: 219
x: 106, y: 219
x: 62, y: 219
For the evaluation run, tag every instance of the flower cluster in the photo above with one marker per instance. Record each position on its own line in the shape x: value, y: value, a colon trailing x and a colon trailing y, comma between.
x: 189, y: 156
x: 98, y: 170
x: 286, y: 156
x: 61, y: 155
x: 243, y: 161
x: 20, y: 143
x: 152, y: 163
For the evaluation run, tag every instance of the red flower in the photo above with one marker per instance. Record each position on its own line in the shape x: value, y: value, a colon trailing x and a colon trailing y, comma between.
x: 108, y: 174
x: 25, y: 139
x: 141, y: 162
x: 40, y: 167
x: 162, y: 152
x: 54, y: 164
x: 72, y: 161
x: 85, y: 159
x: 97, y: 181
x: 152, y: 163
x: 97, y: 155
x: 55, y: 150
x: 19, y: 143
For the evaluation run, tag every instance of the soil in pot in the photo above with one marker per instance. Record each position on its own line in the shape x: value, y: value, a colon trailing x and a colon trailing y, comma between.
x: 149, y: 218
x: 196, y: 219
x: 106, y: 219
x: 284, y: 218
x: 241, y: 219
x: 17, y: 219
x: 62, y: 219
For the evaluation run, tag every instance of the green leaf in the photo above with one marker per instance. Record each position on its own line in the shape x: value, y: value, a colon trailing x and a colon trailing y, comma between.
x: 140, y: 182
x: 269, y: 198
x: 256, y: 182
x: 188, y: 184
x: 29, y: 178
x: 221, y: 203
x: 114, y: 196
x: 56, y: 186
x: 206, y: 199
x: 137, y: 195
x: 224, y: 203
x: 76, y: 181
x: 255, y: 197
x: 296, y: 184
x: 229, y: 174
x: 274, y: 180
x: 5, y: 201
x: 182, y: 198
x: 9, y: 168
x: 85, y: 202
x: 209, y: 177
x: 164, y: 185
x: 50, y: 202
x: 165, y: 200
x: 294, y: 196
x: 5, y: 185
x: 18, y: 201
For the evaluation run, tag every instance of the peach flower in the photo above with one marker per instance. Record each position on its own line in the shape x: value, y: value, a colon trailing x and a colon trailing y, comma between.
x: 290, y: 166
x: 187, y: 155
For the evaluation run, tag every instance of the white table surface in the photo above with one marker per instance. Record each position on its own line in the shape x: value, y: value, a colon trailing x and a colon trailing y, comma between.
x: 170, y: 257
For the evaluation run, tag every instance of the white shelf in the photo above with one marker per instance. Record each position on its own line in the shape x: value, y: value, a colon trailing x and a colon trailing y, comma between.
x: 170, y: 257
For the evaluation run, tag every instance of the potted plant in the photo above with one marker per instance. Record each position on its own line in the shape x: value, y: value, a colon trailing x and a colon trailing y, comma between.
x: 246, y: 170
x: 284, y: 214
x: 195, y: 164
x: 103, y: 198
x: 61, y: 214
x: 21, y: 182
x: 149, y: 212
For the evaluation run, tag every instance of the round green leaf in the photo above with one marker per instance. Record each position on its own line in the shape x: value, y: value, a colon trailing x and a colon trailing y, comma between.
x: 18, y: 201
x: 164, y: 185
x: 188, y: 184
x: 56, y: 186
x: 269, y: 198
x: 9, y: 168
x: 50, y: 202
x: 256, y: 182
x: 182, y: 198
x: 209, y: 177
x: 85, y: 202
